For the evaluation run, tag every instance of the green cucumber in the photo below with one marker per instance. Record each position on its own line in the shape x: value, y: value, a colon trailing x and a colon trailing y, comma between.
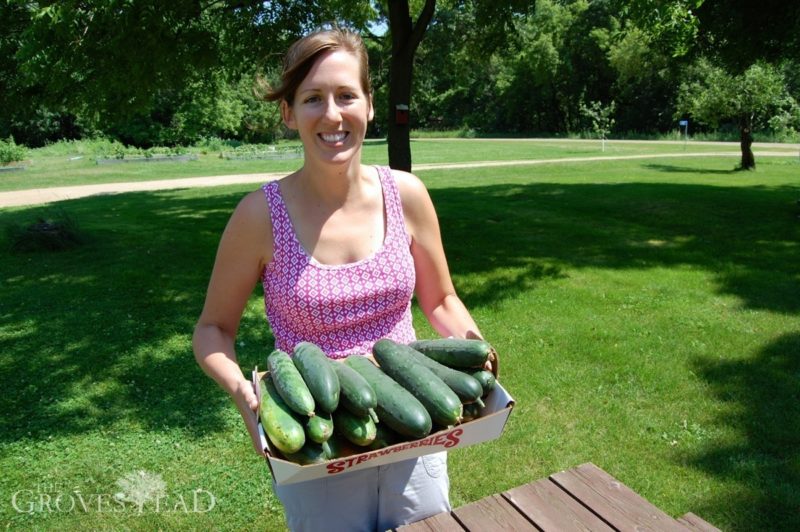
x: 384, y: 437
x: 466, y: 387
x: 357, y: 395
x: 397, y: 361
x: 486, y: 378
x: 283, y: 430
x: 472, y: 411
x: 319, y: 427
x: 310, y: 453
x: 455, y: 352
x: 359, y: 430
x: 339, y: 447
x: 396, y: 406
x: 289, y: 383
x: 319, y: 376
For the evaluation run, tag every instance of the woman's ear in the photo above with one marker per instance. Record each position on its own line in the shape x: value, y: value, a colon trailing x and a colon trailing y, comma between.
x: 371, y: 114
x: 287, y: 114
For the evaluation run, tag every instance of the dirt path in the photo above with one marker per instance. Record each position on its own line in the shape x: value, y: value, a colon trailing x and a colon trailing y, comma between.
x: 37, y: 196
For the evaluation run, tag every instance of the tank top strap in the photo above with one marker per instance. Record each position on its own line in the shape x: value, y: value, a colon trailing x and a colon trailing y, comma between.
x: 395, y: 220
x: 282, y: 229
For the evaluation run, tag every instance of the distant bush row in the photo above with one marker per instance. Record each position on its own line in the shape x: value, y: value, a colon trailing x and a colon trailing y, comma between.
x: 10, y: 151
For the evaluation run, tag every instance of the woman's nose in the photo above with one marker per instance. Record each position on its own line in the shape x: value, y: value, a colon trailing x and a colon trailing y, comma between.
x: 332, y: 111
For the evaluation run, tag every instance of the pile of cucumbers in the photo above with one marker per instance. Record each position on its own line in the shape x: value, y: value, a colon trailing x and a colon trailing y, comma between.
x: 315, y: 409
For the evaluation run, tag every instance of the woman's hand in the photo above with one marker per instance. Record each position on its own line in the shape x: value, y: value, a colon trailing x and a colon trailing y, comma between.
x: 247, y: 403
x: 472, y: 335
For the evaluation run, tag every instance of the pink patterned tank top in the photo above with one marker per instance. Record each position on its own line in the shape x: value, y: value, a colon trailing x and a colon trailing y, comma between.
x: 344, y: 309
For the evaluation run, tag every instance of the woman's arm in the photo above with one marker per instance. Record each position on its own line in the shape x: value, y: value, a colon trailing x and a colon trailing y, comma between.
x: 244, y: 249
x: 434, y: 289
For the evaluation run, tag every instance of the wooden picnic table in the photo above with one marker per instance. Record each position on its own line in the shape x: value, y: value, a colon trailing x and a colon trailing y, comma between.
x: 582, y: 498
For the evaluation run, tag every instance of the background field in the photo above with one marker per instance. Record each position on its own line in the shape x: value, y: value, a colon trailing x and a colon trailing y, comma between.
x: 646, y: 312
x: 68, y: 163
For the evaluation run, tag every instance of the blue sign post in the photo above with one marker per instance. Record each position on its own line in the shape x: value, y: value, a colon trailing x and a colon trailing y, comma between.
x: 685, y: 125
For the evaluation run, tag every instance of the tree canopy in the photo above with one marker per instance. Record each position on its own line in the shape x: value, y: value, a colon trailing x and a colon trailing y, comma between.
x: 184, y: 70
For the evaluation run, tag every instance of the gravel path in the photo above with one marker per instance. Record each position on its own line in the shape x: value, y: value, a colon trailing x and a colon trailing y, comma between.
x: 37, y: 196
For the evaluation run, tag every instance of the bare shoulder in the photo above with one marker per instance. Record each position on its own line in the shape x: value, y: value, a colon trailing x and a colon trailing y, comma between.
x: 418, y: 208
x: 410, y: 186
x: 408, y: 182
x: 250, y: 225
x: 254, y: 204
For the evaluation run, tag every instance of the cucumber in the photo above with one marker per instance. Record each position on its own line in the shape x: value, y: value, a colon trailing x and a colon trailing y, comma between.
x: 289, y: 383
x: 339, y: 447
x: 384, y: 437
x: 319, y: 427
x: 472, y: 411
x: 310, y: 453
x: 359, y: 430
x: 486, y: 378
x: 465, y: 386
x: 397, y: 361
x: 357, y: 395
x: 396, y: 406
x: 283, y: 430
x: 455, y: 352
x: 319, y: 376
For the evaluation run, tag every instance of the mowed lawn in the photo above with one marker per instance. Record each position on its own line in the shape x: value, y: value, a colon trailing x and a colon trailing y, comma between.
x: 647, y: 316
x: 75, y: 163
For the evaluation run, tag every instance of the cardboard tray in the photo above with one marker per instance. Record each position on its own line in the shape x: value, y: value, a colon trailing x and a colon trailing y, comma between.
x: 489, y: 426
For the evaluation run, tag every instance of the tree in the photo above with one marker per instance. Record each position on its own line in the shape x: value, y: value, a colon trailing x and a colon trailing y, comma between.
x: 750, y: 99
x: 601, y: 118
x: 741, y: 32
x: 406, y: 36
x: 495, y: 16
x: 114, y: 61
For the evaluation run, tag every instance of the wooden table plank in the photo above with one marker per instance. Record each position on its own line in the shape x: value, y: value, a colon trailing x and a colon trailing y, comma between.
x: 697, y: 523
x: 443, y: 522
x: 613, y: 501
x: 492, y: 513
x: 552, y: 509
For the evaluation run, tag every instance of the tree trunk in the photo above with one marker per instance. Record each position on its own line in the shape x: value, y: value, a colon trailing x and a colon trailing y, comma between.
x: 746, y: 143
x: 406, y: 37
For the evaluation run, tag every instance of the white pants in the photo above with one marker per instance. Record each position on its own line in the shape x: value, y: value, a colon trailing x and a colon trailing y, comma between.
x: 378, y: 498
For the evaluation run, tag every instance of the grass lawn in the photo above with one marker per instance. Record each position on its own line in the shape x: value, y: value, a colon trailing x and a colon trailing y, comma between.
x: 647, y: 315
x: 68, y: 164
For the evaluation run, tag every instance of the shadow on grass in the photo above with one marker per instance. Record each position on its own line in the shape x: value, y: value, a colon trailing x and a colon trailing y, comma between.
x: 675, y: 169
x: 102, y: 333
x: 748, y: 236
x: 763, y: 398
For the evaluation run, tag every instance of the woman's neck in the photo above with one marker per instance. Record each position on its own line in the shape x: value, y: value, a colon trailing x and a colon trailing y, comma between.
x: 331, y: 183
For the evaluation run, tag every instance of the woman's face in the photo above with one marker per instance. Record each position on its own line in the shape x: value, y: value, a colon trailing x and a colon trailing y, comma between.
x: 331, y: 110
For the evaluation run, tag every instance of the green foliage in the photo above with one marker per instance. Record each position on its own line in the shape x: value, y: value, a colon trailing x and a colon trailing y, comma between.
x: 600, y: 117
x: 785, y: 124
x: 753, y: 99
x: 670, y: 24
x: 742, y: 32
x: 10, y: 152
x: 153, y: 74
x: 170, y: 75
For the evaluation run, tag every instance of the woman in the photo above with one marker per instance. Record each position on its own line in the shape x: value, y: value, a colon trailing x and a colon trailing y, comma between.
x: 340, y: 249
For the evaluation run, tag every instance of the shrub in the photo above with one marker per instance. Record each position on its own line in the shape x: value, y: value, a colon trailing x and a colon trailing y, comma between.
x: 10, y: 151
x: 53, y: 233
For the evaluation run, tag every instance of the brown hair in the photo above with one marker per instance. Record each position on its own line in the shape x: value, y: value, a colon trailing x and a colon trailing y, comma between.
x: 302, y: 55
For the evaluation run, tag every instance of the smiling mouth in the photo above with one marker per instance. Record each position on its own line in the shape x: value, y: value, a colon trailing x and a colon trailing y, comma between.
x: 334, y: 137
